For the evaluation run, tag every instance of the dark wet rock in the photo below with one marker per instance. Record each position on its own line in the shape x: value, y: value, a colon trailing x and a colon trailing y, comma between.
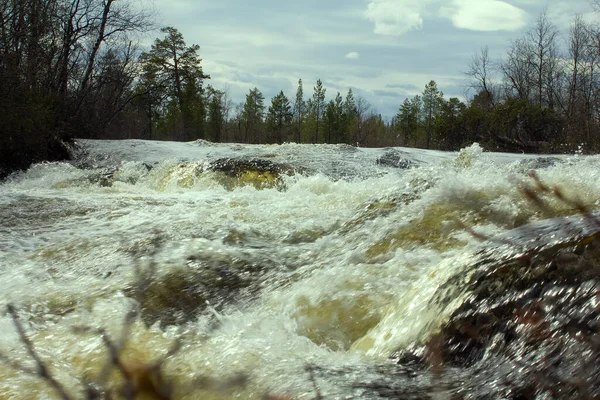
x: 183, y: 293
x: 377, y: 208
x: 236, y: 166
x: 260, y: 173
x: 26, y: 211
x: 394, y: 158
x: 173, y: 298
x: 347, y: 148
x: 308, y: 235
x: 102, y: 178
x: 540, y: 163
x: 529, y: 326
x: 18, y: 151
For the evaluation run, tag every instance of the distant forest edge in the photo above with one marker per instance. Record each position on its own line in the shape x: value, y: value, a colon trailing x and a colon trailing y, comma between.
x: 74, y: 69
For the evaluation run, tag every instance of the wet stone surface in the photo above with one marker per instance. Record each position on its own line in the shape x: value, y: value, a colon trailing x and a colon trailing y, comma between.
x: 530, y: 325
x: 396, y: 159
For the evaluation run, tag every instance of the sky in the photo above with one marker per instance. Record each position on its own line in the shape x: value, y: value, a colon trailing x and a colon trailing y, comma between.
x: 385, y: 50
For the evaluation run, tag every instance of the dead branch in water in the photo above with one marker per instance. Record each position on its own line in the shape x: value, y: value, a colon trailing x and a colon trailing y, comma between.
x: 41, y: 371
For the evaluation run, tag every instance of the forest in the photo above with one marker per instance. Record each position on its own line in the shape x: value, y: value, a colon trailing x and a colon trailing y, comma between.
x: 76, y: 69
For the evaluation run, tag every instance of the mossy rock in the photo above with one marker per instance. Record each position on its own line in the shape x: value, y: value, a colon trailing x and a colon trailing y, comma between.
x: 379, y: 208
x: 395, y: 159
x: 182, y: 293
x: 530, y: 306
x: 434, y: 229
x: 183, y: 175
x: 101, y: 177
x: 336, y: 323
x: 260, y: 173
x: 173, y: 298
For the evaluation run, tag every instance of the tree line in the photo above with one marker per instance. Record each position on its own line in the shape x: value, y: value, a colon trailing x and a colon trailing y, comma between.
x: 72, y: 68
x: 66, y: 70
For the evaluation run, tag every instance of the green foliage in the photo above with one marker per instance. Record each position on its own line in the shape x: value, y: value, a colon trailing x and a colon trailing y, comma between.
x: 318, y: 109
x: 433, y: 100
x: 450, y: 125
x: 329, y: 122
x: 253, y: 114
x: 172, y: 75
x: 299, y: 111
x: 216, y: 117
x: 310, y: 122
x: 334, y: 121
x: 340, y: 121
x: 350, y: 116
x: 408, y: 119
x: 74, y: 68
x: 65, y: 69
x: 519, y: 125
x: 279, y: 116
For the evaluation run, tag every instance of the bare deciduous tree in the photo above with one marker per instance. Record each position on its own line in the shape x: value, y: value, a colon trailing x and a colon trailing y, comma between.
x: 480, y: 70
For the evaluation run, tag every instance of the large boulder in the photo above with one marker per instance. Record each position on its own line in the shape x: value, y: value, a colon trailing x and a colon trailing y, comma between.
x: 529, y: 326
x: 257, y: 172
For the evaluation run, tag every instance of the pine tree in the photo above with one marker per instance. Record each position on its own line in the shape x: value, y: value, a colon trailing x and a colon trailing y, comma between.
x: 253, y: 115
x: 299, y: 110
x: 339, y: 129
x: 329, y: 122
x: 279, y: 116
x: 450, y: 125
x: 216, y: 117
x: 433, y: 99
x: 407, y: 120
x: 318, y: 107
x: 174, y: 72
x: 309, y: 122
x: 417, y: 105
x: 350, y: 116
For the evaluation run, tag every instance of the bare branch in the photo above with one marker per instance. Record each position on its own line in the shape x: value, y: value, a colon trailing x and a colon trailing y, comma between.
x: 41, y: 368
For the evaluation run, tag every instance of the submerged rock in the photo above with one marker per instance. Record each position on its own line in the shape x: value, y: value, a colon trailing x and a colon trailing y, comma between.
x: 259, y: 173
x: 529, y: 326
x: 394, y: 158
x: 539, y: 163
x: 182, y: 293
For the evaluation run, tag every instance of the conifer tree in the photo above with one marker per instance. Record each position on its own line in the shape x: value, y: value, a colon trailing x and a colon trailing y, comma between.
x: 253, y: 115
x: 299, y: 110
x: 433, y: 99
x: 329, y: 122
x: 318, y: 107
x: 279, y: 115
x: 309, y: 121
x: 350, y: 115
x: 407, y: 120
x: 216, y: 117
x: 338, y: 110
x: 175, y: 72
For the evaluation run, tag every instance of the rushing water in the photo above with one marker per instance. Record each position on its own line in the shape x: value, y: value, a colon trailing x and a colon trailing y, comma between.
x: 292, y: 270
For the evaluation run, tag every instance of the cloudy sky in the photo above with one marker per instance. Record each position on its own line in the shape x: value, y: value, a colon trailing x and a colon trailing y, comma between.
x: 385, y: 50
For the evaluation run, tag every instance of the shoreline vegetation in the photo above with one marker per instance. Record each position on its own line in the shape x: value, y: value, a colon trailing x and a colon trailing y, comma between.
x: 75, y: 69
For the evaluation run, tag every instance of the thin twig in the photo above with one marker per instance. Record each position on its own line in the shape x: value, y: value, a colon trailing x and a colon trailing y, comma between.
x: 42, y: 369
x: 555, y: 191
x: 311, y: 375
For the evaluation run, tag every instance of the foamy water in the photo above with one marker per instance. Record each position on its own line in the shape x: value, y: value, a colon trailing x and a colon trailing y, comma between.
x: 332, y: 264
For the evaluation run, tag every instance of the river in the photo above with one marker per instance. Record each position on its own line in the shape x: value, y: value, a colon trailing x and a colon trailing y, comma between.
x: 287, y: 270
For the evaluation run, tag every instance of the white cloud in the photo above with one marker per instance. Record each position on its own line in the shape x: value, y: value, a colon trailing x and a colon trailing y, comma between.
x: 353, y: 55
x: 395, y: 17
x: 485, y: 15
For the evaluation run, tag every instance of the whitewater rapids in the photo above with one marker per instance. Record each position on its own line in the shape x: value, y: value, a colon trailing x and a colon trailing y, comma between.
x: 327, y: 256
